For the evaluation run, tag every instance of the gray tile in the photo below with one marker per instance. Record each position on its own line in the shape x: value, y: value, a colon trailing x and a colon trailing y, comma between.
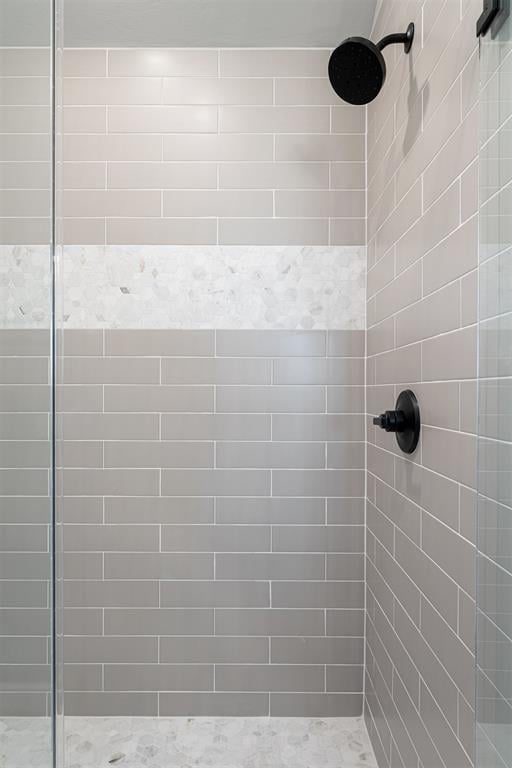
x: 317, y: 538
x: 80, y: 342
x: 442, y: 735
x: 82, y: 621
x: 24, y: 343
x: 437, y: 494
x: 110, y: 426
x: 206, y: 426
x: 270, y: 455
x: 451, y: 552
x: 24, y: 426
x: 317, y: 650
x: 271, y: 343
x: 399, y: 583
x: 24, y: 453
x: 24, y: 370
x: 275, y: 566
x: 29, y: 622
x: 316, y: 370
x: 109, y: 370
x: 158, y: 454
x: 345, y: 400
x: 25, y: 398
x: 111, y: 482
x: 158, y: 510
x: 214, y: 650
x: 256, y: 622
x: 345, y: 567
x: 100, y: 538
x: 23, y: 538
x: 212, y: 538
x: 82, y: 565
x: 215, y: 594
x: 345, y: 679
x: 215, y: 482
x: 32, y: 677
x: 346, y: 455
x: 329, y: 595
x: 80, y: 453
x: 400, y: 510
x: 381, y: 528
x: 79, y: 399
x: 345, y: 623
x: 158, y: 677
x: 246, y: 511
x: 450, y: 453
x: 158, y: 621
x: 82, y: 677
x: 450, y: 356
x: 345, y: 511
x: 158, y: 398
x: 23, y: 650
x: 252, y: 399
x: 452, y: 653
x: 345, y: 343
x: 305, y: 427
x: 430, y: 579
x: 316, y: 705
x: 23, y: 594
x: 132, y: 565
x: 216, y: 371
x: 162, y: 343
x: 278, y: 677
x: 330, y: 482
x: 115, y: 594
x: 81, y: 509
x: 216, y: 704
x: 106, y: 704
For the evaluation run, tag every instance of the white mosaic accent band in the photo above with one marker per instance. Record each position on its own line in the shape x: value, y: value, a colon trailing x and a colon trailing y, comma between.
x: 224, y: 287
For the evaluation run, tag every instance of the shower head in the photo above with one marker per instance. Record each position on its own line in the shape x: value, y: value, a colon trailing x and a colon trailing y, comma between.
x: 357, y: 69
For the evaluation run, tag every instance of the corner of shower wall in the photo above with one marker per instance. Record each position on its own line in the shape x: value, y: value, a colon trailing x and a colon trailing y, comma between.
x: 421, y: 319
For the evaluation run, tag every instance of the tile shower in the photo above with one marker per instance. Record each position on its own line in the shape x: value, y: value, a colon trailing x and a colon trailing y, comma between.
x: 247, y: 270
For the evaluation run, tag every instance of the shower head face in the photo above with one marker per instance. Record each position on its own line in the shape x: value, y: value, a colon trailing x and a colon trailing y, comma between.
x: 357, y: 70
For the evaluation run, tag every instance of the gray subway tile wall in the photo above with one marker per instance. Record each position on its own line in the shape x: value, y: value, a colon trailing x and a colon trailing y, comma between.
x: 422, y: 253
x: 201, y: 147
x: 214, y: 481
x: 213, y: 516
x: 25, y: 570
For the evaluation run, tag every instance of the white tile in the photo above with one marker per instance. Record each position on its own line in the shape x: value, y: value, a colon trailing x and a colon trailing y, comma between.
x: 274, y: 119
x: 162, y: 175
x: 273, y: 63
x: 168, y: 62
x: 218, y: 91
x: 164, y: 119
x: 274, y: 176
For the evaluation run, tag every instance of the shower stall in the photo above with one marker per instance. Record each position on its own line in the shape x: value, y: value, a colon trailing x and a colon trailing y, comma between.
x: 215, y: 275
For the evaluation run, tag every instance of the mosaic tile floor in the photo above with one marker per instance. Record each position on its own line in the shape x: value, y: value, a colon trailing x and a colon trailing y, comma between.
x: 139, y: 742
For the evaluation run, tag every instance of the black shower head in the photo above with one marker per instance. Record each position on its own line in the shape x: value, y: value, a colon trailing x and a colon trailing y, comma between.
x: 357, y: 69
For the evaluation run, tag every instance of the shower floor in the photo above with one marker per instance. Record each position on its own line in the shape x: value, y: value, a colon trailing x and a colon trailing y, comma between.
x: 143, y: 742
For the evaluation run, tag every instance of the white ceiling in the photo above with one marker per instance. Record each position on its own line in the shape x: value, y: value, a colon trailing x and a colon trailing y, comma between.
x: 236, y: 23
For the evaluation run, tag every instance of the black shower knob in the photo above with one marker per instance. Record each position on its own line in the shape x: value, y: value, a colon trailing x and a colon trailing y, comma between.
x: 404, y: 421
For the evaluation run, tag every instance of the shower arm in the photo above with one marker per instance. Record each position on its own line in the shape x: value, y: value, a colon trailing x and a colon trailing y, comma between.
x: 404, y: 38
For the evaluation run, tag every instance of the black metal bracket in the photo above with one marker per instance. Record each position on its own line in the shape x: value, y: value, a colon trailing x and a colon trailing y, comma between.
x: 404, y: 421
x: 489, y: 13
x: 405, y: 38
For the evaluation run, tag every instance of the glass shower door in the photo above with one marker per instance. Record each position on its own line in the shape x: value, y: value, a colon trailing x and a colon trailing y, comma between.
x: 494, y: 520
x: 26, y: 701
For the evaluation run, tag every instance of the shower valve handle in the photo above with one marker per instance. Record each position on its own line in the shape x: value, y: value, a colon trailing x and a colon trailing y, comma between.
x: 391, y: 421
x: 404, y: 421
